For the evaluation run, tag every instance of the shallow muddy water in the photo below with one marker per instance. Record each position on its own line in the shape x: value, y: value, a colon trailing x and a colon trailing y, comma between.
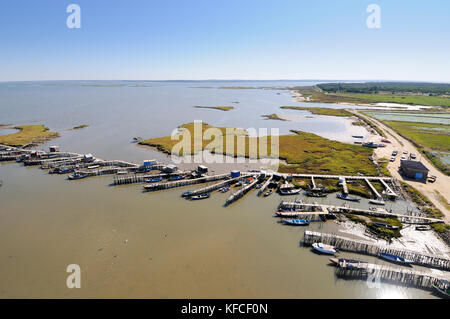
x: 131, y: 244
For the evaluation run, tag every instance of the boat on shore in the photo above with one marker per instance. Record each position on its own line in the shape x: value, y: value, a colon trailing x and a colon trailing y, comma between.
x: 423, y: 228
x: 349, y: 198
x: 324, y: 249
x: 201, y: 196
x: 345, y: 261
x: 396, y: 259
x: 315, y: 194
x: 377, y: 202
x: 296, y: 222
x: 290, y: 191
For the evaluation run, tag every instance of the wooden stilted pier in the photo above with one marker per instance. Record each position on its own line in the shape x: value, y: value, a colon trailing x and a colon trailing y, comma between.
x: 368, y: 248
x: 373, y: 189
x: 240, y: 193
x: 186, y: 182
x: 394, y: 275
x: 263, y: 188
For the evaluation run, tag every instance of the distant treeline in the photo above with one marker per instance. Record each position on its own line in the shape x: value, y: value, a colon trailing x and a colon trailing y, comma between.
x: 394, y: 87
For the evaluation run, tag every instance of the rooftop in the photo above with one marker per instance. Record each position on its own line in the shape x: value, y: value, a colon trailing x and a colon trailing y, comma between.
x: 413, y: 165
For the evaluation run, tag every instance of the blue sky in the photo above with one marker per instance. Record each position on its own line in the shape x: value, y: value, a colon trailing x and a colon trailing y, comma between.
x: 224, y: 39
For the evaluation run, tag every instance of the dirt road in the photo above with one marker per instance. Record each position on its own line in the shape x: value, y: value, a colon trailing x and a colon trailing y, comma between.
x: 442, y: 184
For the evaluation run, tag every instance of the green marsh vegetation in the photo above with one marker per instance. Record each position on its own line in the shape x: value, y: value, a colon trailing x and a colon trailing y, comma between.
x: 28, y: 134
x: 321, y: 110
x: 220, y: 108
x: 303, y: 152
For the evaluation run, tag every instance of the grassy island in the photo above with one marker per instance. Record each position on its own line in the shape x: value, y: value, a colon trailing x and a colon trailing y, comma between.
x: 80, y: 127
x: 303, y: 152
x: 220, y: 108
x: 321, y: 110
x: 28, y: 134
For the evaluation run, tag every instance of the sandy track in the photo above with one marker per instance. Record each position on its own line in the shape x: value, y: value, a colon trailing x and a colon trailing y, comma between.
x: 442, y: 184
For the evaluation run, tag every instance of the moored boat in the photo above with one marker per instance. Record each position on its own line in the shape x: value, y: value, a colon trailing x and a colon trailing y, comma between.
x: 442, y: 288
x: 224, y: 189
x: 349, y: 198
x: 201, y: 196
x: 316, y: 194
x: 423, y: 228
x: 290, y: 191
x: 268, y: 193
x: 395, y: 259
x: 324, y: 249
x: 345, y: 261
x: 77, y: 175
x: 296, y: 222
x: 154, y: 180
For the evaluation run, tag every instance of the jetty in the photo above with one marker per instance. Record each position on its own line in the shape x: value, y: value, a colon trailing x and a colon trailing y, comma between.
x: 372, y: 249
x: 186, y: 182
x: 379, y: 212
x: 240, y: 193
x: 395, y: 275
x: 213, y: 187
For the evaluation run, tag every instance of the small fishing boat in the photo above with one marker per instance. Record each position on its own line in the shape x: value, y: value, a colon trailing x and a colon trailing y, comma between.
x: 396, y: 259
x: 258, y: 186
x: 443, y: 288
x: 377, y: 202
x: 64, y: 170
x: 224, y: 189
x: 93, y: 166
x: 423, y: 228
x: 175, y: 178
x: 338, y: 261
x: 346, y: 197
x: 76, y: 175
x: 186, y: 194
x: 357, y: 136
x: 296, y: 222
x: 287, y: 214
x: 154, y: 180
x: 324, y: 249
x: 268, y: 193
x: 238, y: 184
x: 385, y: 225
x: 54, y: 171
x: 201, y: 196
x: 290, y: 191
x: 122, y: 172
x: 137, y: 139
x: 316, y: 194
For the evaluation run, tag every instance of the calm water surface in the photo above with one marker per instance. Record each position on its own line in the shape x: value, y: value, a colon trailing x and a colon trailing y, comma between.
x: 153, y: 245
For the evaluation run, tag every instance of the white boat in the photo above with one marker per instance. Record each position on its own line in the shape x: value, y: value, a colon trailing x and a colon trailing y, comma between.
x: 324, y: 249
x: 377, y: 202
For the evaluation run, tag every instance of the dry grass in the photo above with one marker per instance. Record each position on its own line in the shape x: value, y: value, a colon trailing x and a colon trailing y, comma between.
x: 28, y: 134
x: 304, y: 152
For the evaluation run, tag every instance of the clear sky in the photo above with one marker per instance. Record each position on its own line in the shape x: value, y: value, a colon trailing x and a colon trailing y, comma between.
x: 224, y: 39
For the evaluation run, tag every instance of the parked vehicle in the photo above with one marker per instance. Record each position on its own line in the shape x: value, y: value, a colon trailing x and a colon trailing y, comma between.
x: 392, y: 159
x: 394, y: 153
x: 412, y: 156
x: 432, y: 178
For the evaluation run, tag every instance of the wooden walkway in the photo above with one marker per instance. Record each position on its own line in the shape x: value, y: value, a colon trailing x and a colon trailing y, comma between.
x: 373, y: 189
x: 395, y: 275
x: 240, y: 193
x: 380, y: 212
x: 368, y: 248
x: 185, y: 182
x: 263, y: 188
x: 211, y: 188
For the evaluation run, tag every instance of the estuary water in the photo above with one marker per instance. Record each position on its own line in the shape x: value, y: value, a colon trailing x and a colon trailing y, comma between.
x: 131, y: 244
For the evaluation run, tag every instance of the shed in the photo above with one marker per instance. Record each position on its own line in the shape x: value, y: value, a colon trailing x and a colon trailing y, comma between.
x: 414, y: 169
x: 53, y: 149
x: 88, y: 158
x: 235, y: 174
x: 148, y: 163
x: 170, y: 169
x: 202, y: 169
